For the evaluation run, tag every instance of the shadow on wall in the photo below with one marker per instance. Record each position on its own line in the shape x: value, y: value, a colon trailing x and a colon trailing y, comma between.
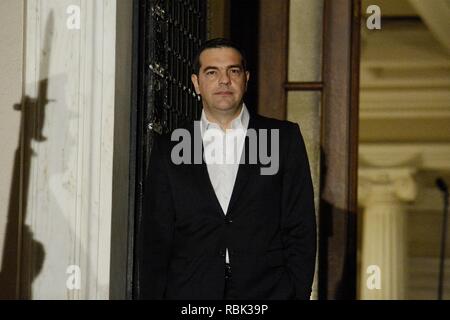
x: 20, y: 247
x: 46, y: 171
x: 18, y: 234
x: 337, y: 250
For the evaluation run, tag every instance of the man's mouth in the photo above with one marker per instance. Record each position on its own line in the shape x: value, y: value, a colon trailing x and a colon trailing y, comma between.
x: 224, y: 93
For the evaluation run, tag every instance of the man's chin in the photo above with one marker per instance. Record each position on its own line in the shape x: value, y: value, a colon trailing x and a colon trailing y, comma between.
x: 227, y: 108
x: 224, y: 106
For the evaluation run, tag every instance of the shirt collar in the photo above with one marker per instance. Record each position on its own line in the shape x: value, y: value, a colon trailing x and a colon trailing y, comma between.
x: 240, y: 122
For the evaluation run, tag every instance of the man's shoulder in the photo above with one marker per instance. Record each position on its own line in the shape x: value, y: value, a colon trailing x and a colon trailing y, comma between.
x: 272, y: 123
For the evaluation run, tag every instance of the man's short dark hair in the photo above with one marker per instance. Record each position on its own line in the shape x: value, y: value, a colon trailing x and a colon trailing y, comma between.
x: 218, y: 43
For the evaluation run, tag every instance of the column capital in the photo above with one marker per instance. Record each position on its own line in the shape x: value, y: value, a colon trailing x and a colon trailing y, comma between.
x: 386, y: 185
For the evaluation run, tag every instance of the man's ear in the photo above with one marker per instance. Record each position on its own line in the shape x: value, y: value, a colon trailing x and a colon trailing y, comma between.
x: 247, y: 75
x: 194, y: 79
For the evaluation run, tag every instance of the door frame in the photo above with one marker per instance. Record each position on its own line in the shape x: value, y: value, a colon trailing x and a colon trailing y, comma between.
x: 339, y: 128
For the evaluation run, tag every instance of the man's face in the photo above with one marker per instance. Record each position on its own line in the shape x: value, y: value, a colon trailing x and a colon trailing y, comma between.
x: 221, y: 81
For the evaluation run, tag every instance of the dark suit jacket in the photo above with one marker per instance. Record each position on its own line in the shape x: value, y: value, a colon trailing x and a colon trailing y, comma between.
x: 269, y: 229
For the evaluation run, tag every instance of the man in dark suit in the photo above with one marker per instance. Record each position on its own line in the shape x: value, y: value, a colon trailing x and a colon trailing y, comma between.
x: 213, y: 229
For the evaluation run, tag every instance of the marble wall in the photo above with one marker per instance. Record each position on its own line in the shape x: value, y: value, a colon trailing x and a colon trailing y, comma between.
x: 67, y: 148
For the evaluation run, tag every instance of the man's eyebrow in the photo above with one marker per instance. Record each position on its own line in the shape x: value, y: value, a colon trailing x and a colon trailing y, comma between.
x: 228, y: 67
x: 235, y: 66
x: 210, y: 68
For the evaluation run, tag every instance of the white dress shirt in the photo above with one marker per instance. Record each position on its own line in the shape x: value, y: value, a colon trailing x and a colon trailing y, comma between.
x: 222, y: 154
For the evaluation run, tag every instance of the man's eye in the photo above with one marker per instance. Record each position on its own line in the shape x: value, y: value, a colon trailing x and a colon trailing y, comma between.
x: 210, y: 73
x: 235, y: 71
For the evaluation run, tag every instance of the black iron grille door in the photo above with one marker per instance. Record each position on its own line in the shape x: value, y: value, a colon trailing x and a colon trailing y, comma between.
x: 167, y: 35
x: 176, y: 30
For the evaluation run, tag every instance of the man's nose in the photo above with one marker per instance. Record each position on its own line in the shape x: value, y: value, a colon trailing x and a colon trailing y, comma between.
x: 224, y: 78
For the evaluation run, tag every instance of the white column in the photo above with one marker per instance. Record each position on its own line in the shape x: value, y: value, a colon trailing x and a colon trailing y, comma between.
x: 383, y: 193
x: 66, y: 193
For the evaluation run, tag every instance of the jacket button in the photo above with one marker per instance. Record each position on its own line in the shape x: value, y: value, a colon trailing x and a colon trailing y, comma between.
x: 222, y: 253
x: 228, y: 220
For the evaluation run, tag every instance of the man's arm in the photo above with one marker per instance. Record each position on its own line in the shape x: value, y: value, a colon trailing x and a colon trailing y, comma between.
x: 298, y: 216
x: 157, y: 226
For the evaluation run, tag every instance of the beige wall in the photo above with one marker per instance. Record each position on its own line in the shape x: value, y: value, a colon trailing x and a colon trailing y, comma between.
x: 11, y: 60
x: 67, y: 147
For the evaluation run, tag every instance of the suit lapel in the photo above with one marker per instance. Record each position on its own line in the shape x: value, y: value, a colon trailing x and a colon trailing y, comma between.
x: 200, y: 172
x: 245, y: 170
x: 201, y: 175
